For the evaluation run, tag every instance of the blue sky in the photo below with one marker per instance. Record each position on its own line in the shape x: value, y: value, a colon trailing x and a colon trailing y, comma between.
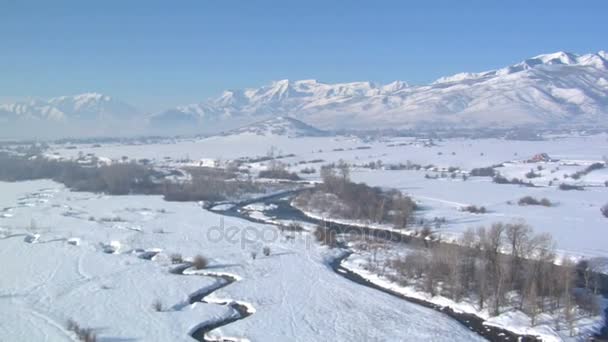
x: 156, y: 54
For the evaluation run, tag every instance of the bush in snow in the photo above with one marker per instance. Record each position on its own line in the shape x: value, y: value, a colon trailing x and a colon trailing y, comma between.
x: 308, y: 170
x: 266, y: 251
x: 605, y: 210
x: 292, y: 227
x: 483, y: 172
x: 278, y: 174
x: 325, y: 236
x: 199, y: 262
x: 83, y: 334
x: 176, y: 258
x: 157, y: 306
x: 532, y: 174
x: 529, y: 200
x: 474, y: 209
x: 254, y: 255
x: 567, y: 187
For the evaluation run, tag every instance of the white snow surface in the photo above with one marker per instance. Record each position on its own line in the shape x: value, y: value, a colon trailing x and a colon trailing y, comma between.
x: 580, y: 231
x: 294, y: 293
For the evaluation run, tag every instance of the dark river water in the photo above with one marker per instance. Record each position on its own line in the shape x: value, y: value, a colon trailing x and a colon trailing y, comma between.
x: 282, y: 210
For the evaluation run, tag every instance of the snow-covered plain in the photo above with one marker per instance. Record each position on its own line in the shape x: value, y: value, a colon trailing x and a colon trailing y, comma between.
x: 580, y: 229
x: 295, y: 294
x: 68, y: 273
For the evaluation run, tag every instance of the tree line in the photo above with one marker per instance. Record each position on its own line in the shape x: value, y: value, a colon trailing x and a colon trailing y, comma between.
x: 339, y: 197
x: 505, y: 266
x: 125, y: 178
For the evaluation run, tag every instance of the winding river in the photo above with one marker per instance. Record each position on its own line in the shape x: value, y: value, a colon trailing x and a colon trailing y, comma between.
x: 282, y: 210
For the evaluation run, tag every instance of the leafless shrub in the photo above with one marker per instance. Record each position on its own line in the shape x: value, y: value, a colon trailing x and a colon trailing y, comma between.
x: 325, y: 236
x: 483, y: 172
x: 158, y: 306
x: 529, y: 200
x: 605, y: 210
x: 254, y: 255
x: 532, y: 174
x: 176, y: 258
x: 83, y: 334
x: 567, y: 187
x: 278, y: 170
x: 426, y: 231
x: 279, y: 174
x: 588, y: 169
x: 200, y: 262
x: 292, y: 227
x: 266, y: 251
x: 308, y: 170
x: 474, y: 209
x: 112, y: 219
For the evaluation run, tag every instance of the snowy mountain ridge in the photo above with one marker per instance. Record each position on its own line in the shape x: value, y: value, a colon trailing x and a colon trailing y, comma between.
x: 561, y: 89
x: 599, y: 60
x: 87, y: 106
x: 553, y: 89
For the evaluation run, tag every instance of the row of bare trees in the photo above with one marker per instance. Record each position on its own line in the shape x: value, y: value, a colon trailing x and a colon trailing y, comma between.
x: 340, y: 197
x: 505, y: 266
x: 125, y: 178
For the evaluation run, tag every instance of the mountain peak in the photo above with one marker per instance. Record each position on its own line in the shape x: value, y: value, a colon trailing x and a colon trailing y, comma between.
x: 597, y: 60
x: 560, y: 57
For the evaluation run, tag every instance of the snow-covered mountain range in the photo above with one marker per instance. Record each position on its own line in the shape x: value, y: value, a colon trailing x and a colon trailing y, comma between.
x: 559, y: 89
x: 84, y: 115
x: 546, y: 90
x: 88, y: 106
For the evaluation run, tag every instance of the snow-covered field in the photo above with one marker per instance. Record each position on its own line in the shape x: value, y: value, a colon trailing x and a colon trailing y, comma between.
x: 88, y: 259
x: 69, y: 274
x: 458, y: 152
x: 575, y: 221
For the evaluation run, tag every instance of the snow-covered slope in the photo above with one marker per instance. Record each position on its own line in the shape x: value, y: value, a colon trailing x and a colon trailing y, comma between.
x: 284, y: 126
x: 88, y: 106
x: 546, y: 90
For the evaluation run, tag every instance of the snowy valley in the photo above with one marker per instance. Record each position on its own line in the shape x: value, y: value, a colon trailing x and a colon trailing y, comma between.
x: 210, y: 240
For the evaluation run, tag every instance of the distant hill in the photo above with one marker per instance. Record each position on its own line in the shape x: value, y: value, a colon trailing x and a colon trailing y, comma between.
x: 279, y: 126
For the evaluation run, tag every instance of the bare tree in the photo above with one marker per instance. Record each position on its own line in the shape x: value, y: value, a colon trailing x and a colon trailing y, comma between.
x: 492, y: 246
x: 531, y: 306
x: 517, y: 235
x: 344, y: 170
